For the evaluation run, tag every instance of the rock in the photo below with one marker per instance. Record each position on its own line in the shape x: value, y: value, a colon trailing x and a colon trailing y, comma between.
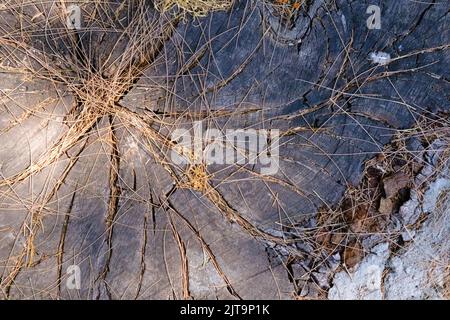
x: 419, y: 269
x: 386, y: 206
x: 353, y: 254
x: 365, y: 282
x: 408, y: 235
x: 409, y: 212
x: 393, y: 184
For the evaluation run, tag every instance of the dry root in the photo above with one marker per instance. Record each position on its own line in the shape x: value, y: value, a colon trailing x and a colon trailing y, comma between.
x: 194, y: 7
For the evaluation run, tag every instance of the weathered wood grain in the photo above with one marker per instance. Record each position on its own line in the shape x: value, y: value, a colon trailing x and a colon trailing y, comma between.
x: 113, y: 203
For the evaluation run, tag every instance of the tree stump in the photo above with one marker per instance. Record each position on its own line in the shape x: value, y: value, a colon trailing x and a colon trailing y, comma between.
x: 87, y: 117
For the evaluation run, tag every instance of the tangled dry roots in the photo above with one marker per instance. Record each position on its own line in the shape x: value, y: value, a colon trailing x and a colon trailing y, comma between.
x: 97, y: 93
x: 194, y: 7
x: 138, y: 44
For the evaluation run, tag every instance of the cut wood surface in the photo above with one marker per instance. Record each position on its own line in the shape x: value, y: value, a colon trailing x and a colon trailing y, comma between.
x: 86, y: 116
